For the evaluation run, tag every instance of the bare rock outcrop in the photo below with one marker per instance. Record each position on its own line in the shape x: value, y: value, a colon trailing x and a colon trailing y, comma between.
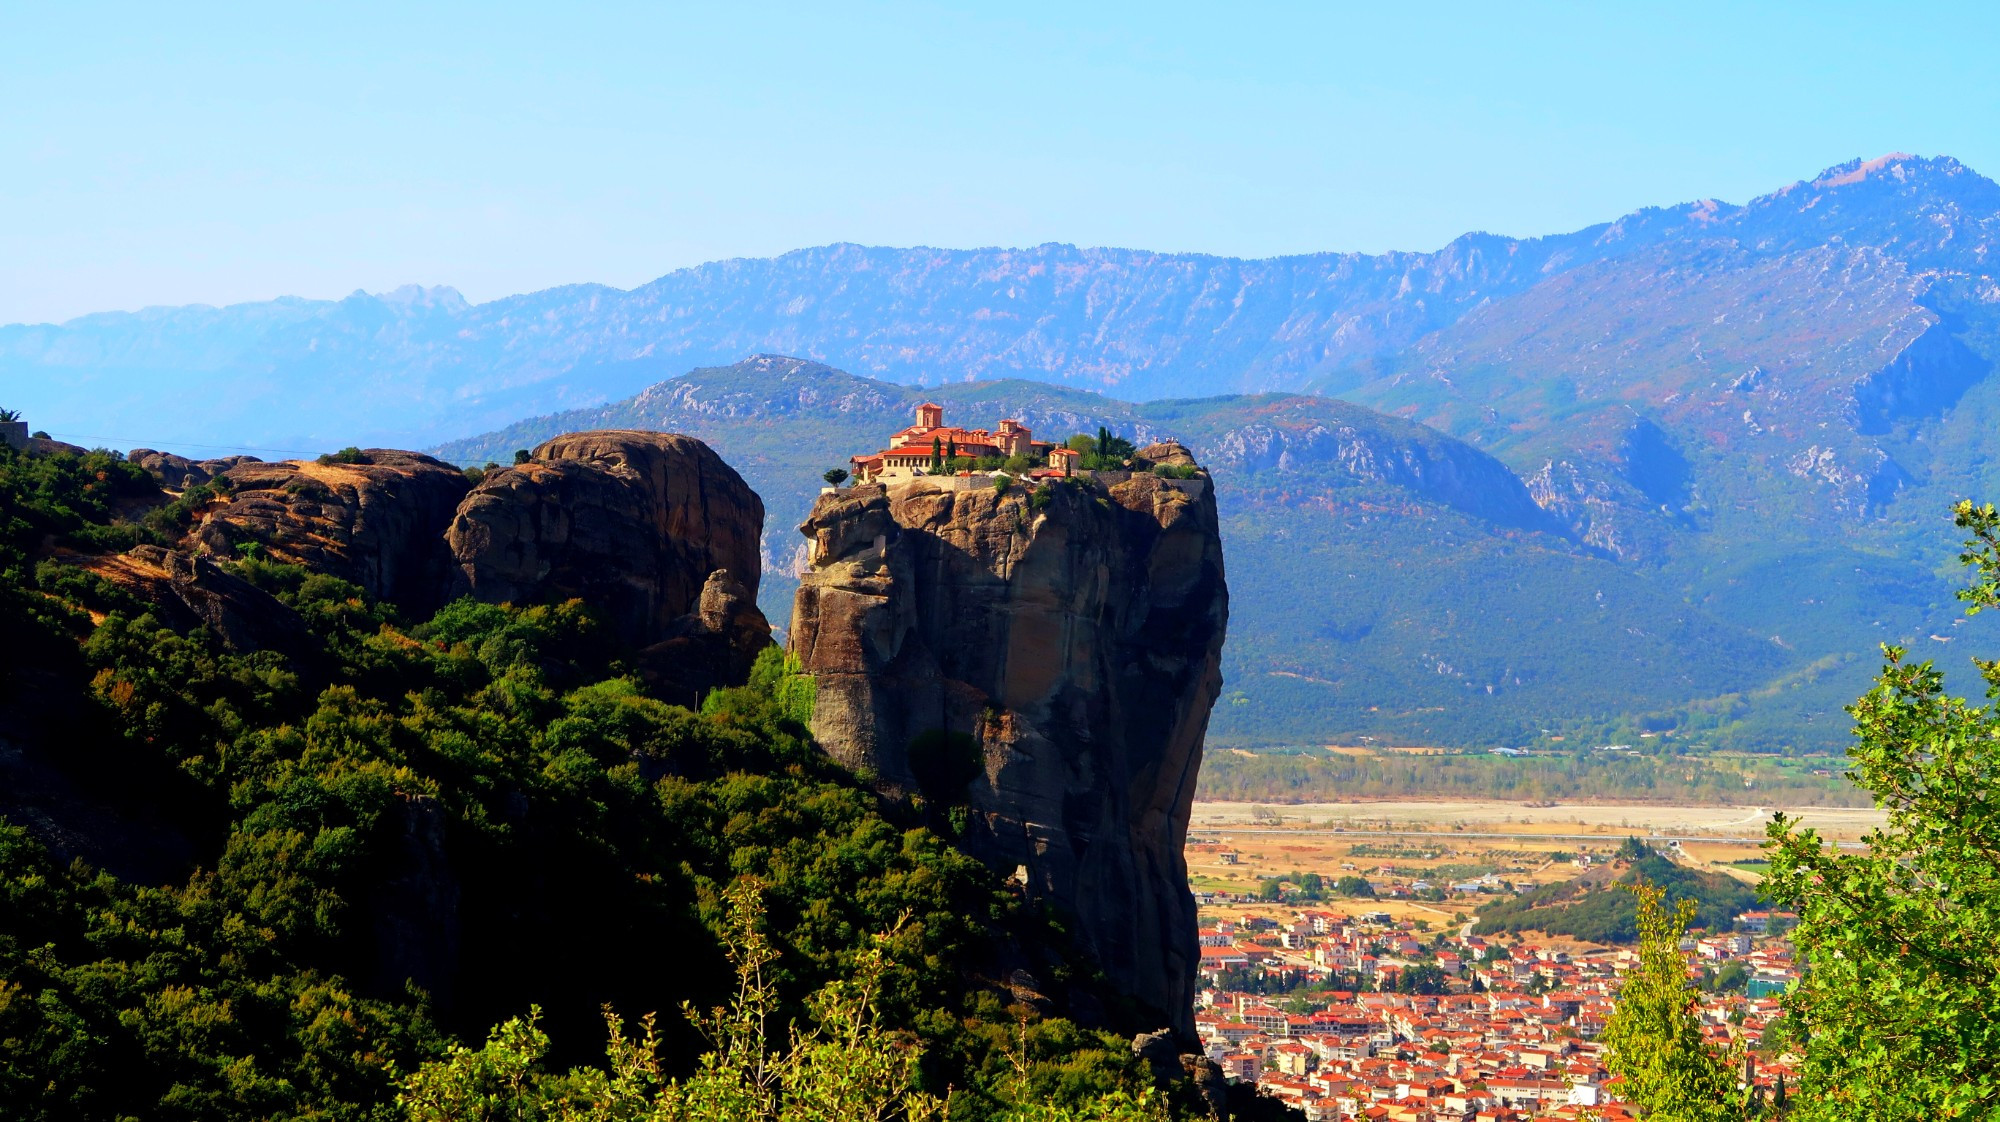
x: 187, y: 591
x: 178, y: 473
x: 379, y: 522
x: 1046, y: 661
x: 652, y: 529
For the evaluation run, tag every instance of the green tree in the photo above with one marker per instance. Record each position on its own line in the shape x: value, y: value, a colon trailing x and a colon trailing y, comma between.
x: 1654, y: 1039
x: 1898, y: 1011
x: 843, y: 1064
x: 522, y: 455
x: 834, y: 476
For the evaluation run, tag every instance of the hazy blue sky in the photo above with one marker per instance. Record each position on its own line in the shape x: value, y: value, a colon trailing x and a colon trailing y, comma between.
x: 150, y: 154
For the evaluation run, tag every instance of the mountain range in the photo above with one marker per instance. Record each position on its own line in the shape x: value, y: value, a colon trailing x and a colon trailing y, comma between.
x: 1679, y: 470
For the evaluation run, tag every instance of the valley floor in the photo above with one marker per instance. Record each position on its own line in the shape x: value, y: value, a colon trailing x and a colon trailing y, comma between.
x: 1595, y: 818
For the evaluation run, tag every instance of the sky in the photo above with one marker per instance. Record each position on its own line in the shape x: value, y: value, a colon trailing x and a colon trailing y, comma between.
x: 203, y: 153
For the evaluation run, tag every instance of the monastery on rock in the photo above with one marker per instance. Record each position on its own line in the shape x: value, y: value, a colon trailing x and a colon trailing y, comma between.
x: 914, y: 451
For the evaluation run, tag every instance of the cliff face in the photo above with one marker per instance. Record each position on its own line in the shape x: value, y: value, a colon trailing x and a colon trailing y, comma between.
x: 652, y: 529
x: 1047, y: 663
x: 379, y: 523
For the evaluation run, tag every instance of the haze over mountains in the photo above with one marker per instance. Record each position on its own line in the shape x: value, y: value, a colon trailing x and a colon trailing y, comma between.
x: 1740, y: 424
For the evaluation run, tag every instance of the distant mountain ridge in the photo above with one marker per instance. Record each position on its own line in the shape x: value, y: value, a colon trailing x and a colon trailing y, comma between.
x: 423, y: 365
x: 1385, y: 579
x: 1691, y: 464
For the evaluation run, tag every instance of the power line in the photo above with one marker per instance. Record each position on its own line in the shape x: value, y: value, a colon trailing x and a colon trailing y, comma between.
x: 148, y: 443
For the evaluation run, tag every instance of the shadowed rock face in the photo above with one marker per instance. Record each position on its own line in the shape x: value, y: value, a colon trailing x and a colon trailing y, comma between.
x: 651, y: 529
x: 186, y: 591
x: 379, y: 523
x: 1050, y: 668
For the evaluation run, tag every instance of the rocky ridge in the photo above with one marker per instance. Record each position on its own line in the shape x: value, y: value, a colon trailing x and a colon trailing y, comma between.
x: 652, y: 529
x: 1042, y: 665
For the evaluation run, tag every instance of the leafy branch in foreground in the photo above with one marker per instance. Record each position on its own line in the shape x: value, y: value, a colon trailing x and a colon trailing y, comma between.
x: 1898, y: 1011
x: 1654, y: 1038
x: 843, y: 1065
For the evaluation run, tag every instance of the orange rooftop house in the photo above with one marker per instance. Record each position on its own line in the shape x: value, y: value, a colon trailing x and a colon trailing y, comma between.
x: 912, y: 451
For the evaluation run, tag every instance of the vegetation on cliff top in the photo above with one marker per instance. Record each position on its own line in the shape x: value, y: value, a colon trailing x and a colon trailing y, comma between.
x: 412, y: 830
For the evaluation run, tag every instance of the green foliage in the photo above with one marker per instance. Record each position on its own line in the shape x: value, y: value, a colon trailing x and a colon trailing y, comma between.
x: 1351, y: 885
x: 780, y: 676
x: 1177, y: 471
x: 840, y: 1064
x: 347, y: 455
x: 1585, y: 908
x: 834, y: 476
x: 1002, y: 482
x: 9, y: 416
x: 1425, y: 978
x: 412, y: 830
x: 1654, y: 1039
x: 1732, y: 978
x: 68, y: 497
x: 1898, y: 1010
x: 522, y: 456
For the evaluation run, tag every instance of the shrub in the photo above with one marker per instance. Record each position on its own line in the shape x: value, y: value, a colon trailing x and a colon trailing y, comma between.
x: 347, y: 455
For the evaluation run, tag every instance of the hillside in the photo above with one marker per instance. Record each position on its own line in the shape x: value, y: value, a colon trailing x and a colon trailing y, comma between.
x: 1738, y: 427
x: 1385, y: 579
x: 1594, y: 907
x: 269, y: 842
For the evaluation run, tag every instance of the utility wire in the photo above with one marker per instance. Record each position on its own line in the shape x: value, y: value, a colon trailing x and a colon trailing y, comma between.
x: 135, y: 443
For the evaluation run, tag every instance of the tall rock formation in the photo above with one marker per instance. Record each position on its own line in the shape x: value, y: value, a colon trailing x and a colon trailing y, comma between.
x: 652, y: 529
x: 1047, y: 661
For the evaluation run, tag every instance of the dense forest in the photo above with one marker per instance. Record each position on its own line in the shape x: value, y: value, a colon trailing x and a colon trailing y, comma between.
x: 273, y: 882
